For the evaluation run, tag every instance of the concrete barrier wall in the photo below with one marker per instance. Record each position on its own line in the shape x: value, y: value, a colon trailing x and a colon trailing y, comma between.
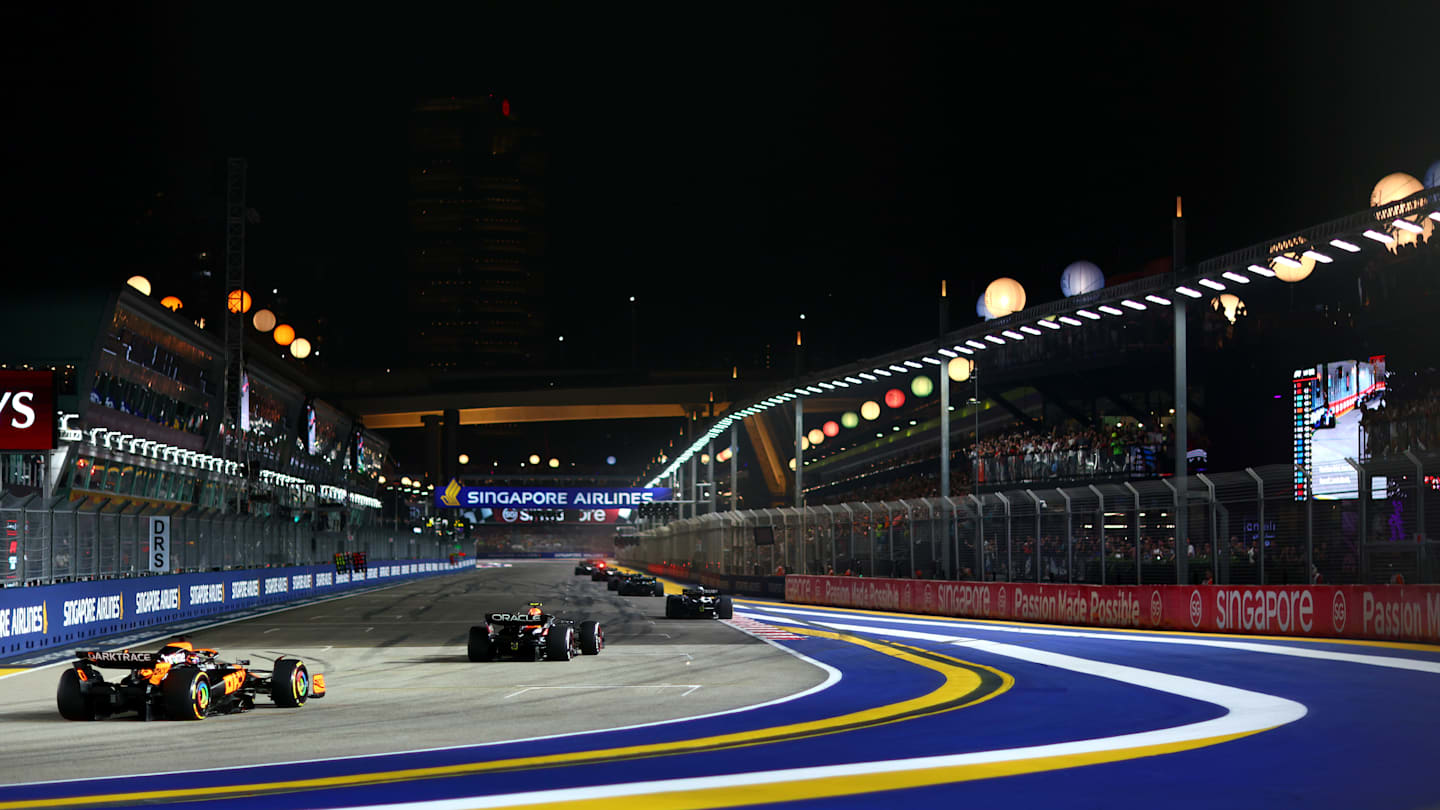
x: 1390, y: 612
x: 34, y: 619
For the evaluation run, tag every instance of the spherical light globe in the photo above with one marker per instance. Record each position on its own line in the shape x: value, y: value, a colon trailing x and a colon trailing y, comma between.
x: 1004, y: 296
x: 172, y: 303
x: 284, y: 334
x: 1394, y: 187
x: 831, y: 429
x: 238, y: 301
x: 610, y: 460
x: 894, y: 398
x: 704, y: 458
x: 264, y: 320
x: 981, y: 309
x: 870, y: 410
x: 959, y: 369
x: 849, y: 420
x: 792, y: 463
x: 816, y: 437
x: 300, y: 347
x: 140, y: 284
x: 922, y: 386
x: 804, y: 443
x: 554, y: 462
x: 1289, y: 273
x: 1228, y: 305
x: 534, y: 459
x: 1080, y: 278
x: 464, y: 459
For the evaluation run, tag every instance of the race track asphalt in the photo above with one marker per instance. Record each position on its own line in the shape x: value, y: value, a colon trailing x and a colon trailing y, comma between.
x: 395, y: 663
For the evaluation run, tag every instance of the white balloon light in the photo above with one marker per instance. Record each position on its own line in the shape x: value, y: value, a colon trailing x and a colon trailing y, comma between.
x: 300, y: 347
x: 1004, y: 296
x: 1080, y: 278
x: 960, y: 368
x: 1394, y: 187
x: 980, y: 308
x: 1432, y: 175
x: 1228, y: 305
x: 140, y: 284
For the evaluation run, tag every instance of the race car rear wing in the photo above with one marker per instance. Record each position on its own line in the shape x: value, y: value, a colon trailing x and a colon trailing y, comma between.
x: 700, y: 592
x: 518, y: 618
x: 119, y: 660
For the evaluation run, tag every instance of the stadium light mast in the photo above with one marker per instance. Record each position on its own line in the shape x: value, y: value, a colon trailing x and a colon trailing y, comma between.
x: 1182, y: 409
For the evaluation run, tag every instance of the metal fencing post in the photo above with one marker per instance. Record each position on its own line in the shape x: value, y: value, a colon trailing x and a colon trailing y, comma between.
x: 870, y: 535
x: 1179, y: 551
x: 1214, y: 539
x: 1069, y: 538
x: 1419, y: 503
x: 1362, y: 534
x: 1260, y: 540
x: 1136, y: 523
x: 1035, y: 551
x: 1009, y: 541
x: 909, y: 539
x: 1100, y: 514
x: 850, y: 543
x: 979, y: 537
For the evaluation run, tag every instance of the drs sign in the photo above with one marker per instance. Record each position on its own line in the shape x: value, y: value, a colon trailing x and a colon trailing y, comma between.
x: 159, y: 544
x: 27, y: 410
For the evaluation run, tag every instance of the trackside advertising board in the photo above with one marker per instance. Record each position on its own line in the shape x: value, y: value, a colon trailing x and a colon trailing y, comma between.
x: 456, y: 496
x: 27, y: 410
x: 55, y: 615
x: 1388, y: 612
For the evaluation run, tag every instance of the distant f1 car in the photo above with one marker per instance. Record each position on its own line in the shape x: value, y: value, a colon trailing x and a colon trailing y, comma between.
x: 180, y: 682
x: 602, y: 572
x: 639, y: 585
x: 588, y: 566
x: 533, y: 635
x: 698, y: 603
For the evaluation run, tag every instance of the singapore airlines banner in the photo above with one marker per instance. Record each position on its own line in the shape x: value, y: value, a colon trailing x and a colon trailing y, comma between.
x: 456, y: 496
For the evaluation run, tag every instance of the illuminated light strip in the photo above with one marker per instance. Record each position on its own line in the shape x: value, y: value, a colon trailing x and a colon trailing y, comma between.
x: 931, y: 360
x: 870, y: 377
x: 911, y: 364
x: 1135, y: 305
x: 882, y: 372
x: 1030, y: 330
x: 1261, y: 270
x: 814, y: 390
x: 1183, y: 290
x: 840, y: 383
x: 1049, y: 324
x: 1435, y: 215
x: 1318, y: 256
x: 894, y: 367
x: 1109, y: 310
x: 964, y: 350
x: 996, y: 340
x: 1066, y: 319
x: 1212, y: 284
x: 1407, y: 225
x: 948, y: 353
x: 1235, y: 277
x: 1247, y: 713
x: 1383, y: 238
x: 958, y: 690
x: 1012, y: 334
x: 976, y: 344
x: 1344, y: 245
x: 1085, y: 313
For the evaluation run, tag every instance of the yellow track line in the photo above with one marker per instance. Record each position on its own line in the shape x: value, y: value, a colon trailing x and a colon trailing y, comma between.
x: 961, y: 681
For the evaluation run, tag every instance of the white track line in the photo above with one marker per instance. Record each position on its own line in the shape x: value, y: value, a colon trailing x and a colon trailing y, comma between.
x: 1390, y: 661
x: 1245, y: 712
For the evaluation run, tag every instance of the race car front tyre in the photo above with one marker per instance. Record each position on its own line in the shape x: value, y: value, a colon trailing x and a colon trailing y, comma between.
x: 290, y: 683
x: 186, y: 694
x: 74, y: 705
x: 674, y: 606
x: 659, y: 589
x: 559, y: 644
x: 613, y: 585
x: 724, y: 608
x: 592, y: 638
x: 479, y: 647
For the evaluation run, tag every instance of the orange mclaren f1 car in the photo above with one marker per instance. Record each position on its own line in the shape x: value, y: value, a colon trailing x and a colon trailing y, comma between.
x: 180, y: 682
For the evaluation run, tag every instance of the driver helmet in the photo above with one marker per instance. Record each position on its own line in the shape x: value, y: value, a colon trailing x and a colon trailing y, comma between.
x: 533, y: 612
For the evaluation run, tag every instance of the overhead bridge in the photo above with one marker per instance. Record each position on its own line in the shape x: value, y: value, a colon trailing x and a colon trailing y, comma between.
x: 541, y: 405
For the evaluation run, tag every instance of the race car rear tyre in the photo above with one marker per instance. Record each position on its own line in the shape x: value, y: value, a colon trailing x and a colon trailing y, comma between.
x: 596, y: 576
x: 186, y: 694
x: 592, y: 638
x: 673, y: 606
x: 659, y: 589
x: 479, y: 647
x: 290, y: 683
x: 559, y: 645
x: 74, y: 705
x: 724, y: 608
x: 613, y: 585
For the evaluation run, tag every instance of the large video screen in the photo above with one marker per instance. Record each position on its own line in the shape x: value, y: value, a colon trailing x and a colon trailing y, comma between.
x: 1329, y: 400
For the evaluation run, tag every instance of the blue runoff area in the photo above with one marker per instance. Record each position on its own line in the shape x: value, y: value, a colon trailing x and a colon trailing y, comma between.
x: 1364, y: 738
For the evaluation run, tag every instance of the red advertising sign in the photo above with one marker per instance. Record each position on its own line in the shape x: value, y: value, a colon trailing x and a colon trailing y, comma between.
x: 1395, y: 612
x: 27, y: 410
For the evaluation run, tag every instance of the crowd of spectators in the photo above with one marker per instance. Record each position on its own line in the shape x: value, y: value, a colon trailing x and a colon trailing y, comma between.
x: 1407, y: 419
x: 1029, y: 454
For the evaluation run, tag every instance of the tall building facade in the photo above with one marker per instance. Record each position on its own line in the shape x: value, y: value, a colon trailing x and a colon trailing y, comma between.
x: 476, y: 263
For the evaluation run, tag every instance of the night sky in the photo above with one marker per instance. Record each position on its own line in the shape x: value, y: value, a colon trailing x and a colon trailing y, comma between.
x: 731, y: 167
